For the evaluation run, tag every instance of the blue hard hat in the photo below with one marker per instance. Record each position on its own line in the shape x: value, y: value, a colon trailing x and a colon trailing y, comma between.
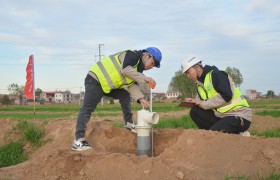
x: 155, y: 52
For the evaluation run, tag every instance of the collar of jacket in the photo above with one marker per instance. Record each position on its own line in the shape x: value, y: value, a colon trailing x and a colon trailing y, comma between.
x: 206, y: 69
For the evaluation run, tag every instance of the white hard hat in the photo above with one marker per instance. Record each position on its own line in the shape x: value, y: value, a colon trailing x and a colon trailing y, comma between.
x: 188, y: 62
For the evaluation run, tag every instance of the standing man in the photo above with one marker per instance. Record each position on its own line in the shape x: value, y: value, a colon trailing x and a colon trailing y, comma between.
x: 220, y: 105
x: 109, y: 77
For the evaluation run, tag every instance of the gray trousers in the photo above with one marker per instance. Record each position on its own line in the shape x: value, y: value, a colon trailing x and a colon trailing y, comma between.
x: 93, y: 95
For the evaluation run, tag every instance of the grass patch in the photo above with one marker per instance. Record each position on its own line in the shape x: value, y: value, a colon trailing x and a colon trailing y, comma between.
x: 56, y: 108
x: 182, y: 122
x: 42, y: 108
x: 104, y: 114
x: 266, y: 107
x: 30, y: 132
x: 11, y: 154
x: 272, y: 133
x: 272, y: 176
x: 52, y: 116
x: 265, y: 104
x: 238, y: 177
x: 37, y: 116
x: 272, y: 113
x: 34, y: 135
x: 27, y: 132
x: 118, y: 124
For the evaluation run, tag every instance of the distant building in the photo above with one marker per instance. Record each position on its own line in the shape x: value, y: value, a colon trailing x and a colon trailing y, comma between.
x: 172, y: 94
x: 47, y: 96
x: 251, y: 94
x: 156, y: 96
x: 14, y: 99
x: 62, y: 97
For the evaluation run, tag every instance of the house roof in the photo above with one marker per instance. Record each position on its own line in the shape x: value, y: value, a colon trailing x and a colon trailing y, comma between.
x: 49, y: 92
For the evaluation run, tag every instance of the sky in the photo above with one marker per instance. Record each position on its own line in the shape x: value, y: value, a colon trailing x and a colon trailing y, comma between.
x: 64, y: 37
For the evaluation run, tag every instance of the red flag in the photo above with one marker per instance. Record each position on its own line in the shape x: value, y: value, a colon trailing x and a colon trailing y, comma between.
x: 29, y: 89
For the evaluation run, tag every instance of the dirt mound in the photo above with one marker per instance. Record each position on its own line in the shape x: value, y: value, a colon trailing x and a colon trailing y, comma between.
x: 178, y: 154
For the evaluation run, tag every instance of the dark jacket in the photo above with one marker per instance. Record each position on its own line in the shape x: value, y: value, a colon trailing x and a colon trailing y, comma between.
x: 222, y: 84
x: 220, y: 81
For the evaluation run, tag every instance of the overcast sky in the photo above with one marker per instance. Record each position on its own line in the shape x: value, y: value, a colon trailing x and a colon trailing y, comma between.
x: 63, y: 36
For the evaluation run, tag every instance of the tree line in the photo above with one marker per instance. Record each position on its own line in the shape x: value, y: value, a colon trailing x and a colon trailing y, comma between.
x: 179, y: 82
x: 15, y: 89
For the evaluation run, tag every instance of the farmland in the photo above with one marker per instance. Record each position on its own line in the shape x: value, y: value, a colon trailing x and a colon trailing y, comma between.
x: 181, y: 151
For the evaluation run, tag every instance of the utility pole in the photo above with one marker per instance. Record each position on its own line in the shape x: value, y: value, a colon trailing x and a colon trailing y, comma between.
x: 99, y: 55
x: 99, y: 48
x: 99, y: 52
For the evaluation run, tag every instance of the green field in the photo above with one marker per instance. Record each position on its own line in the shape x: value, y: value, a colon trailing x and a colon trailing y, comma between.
x: 64, y: 111
x: 46, y: 113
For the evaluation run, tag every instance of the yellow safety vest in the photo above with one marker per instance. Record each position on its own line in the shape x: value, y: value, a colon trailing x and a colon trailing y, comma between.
x: 108, y: 72
x: 208, y: 91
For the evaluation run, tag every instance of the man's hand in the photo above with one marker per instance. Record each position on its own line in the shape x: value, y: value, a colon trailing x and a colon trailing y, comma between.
x: 144, y: 103
x: 198, y: 103
x: 152, y: 83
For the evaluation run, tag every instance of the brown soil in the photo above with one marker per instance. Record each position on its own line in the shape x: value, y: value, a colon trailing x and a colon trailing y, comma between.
x: 178, y: 153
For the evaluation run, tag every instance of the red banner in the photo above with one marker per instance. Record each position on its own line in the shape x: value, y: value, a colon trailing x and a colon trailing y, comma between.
x: 29, y: 89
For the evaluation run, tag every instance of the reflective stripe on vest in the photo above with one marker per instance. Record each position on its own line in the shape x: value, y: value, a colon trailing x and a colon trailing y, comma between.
x: 208, y: 91
x: 108, y: 72
x: 106, y: 75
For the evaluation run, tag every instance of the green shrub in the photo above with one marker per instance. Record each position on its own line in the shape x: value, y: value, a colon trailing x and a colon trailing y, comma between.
x: 33, y: 134
x: 30, y: 131
x: 11, y: 154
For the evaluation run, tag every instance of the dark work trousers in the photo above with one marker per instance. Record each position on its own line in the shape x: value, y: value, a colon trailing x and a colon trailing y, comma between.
x: 93, y: 95
x: 206, y: 119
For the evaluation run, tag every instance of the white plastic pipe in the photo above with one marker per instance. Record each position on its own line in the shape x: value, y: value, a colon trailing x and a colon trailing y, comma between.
x: 145, y: 120
x: 151, y: 100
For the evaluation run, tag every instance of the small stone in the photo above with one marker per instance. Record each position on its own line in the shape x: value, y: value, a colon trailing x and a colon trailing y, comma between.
x: 82, y: 172
x: 77, y: 158
x: 180, y: 175
x: 147, y: 172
